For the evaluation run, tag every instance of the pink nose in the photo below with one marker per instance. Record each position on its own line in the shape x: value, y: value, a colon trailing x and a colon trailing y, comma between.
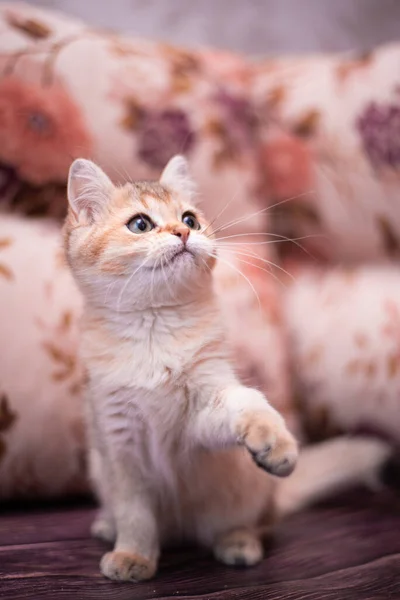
x: 181, y: 231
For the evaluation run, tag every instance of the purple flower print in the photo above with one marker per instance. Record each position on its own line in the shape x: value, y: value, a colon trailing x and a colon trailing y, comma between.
x: 9, y: 182
x: 163, y: 134
x: 239, y: 118
x: 379, y: 127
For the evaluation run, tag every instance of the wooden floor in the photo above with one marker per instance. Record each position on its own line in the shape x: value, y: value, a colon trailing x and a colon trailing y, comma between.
x: 349, y: 549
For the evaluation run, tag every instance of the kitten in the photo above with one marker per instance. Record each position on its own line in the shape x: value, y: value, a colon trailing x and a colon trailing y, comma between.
x: 179, y: 449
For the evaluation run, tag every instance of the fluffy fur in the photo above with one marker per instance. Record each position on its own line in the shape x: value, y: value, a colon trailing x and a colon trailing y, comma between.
x: 179, y: 449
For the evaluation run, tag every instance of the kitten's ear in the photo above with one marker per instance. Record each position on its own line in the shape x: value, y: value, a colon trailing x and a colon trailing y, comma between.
x: 176, y: 177
x: 89, y: 190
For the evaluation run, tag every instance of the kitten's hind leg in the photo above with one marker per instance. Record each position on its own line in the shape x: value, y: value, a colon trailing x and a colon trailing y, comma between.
x: 239, y: 548
x: 103, y: 527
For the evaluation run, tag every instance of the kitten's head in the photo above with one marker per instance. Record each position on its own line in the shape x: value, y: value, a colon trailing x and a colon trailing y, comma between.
x: 141, y: 244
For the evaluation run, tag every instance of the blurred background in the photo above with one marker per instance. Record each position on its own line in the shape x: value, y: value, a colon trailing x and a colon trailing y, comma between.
x: 254, y: 26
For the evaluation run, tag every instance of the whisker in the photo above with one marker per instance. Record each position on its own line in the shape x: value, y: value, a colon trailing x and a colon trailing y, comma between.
x: 282, y: 238
x: 263, y: 210
x: 307, y: 193
x: 268, y: 262
x: 205, y: 264
x: 268, y: 271
x: 243, y: 275
x: 125, y: 177
x: 221, y: 212
x: 173, y: 296
x: 239, y: 220
x: 108, y: 289
x: 152, y: 280
x: 119, y: 300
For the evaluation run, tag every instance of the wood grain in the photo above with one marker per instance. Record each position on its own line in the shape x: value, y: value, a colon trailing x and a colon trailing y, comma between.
x: 348, y: 549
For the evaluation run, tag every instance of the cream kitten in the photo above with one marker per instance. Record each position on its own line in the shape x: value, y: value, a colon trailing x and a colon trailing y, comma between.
x: 179, y: 449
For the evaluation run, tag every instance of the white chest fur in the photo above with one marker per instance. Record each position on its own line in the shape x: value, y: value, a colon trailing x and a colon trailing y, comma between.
x: 141, y: 371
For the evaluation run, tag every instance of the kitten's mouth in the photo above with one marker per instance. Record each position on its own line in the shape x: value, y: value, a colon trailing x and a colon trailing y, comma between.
x: 178, y: 254
x: 172, y: 260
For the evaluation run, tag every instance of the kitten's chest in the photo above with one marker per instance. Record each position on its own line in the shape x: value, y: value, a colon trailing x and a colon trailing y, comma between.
x: 148, y: 362
x: 151, y: 366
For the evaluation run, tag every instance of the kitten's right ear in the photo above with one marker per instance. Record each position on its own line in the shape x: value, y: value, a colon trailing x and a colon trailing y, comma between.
x: 89, y: 190
x: 176, y: 176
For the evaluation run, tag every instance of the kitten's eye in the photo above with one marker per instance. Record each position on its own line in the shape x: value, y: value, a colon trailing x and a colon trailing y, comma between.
x: 140, y: 224
x: 190, y: 220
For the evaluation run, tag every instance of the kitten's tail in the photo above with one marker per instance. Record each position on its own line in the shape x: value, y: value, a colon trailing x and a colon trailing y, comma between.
x: 330, y: 467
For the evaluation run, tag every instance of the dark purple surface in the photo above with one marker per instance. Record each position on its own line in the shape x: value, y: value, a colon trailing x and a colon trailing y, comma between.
x: 379, y: 127
x: 348, y: 549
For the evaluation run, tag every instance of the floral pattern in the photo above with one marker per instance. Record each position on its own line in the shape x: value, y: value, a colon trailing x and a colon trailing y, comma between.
x: 5, y: 270
x: 336, y: 151
x: 379, y: 127
x: 41, y: 130
x: 288, y: 167
x: 163, y: 134
x: 7, y: 419
x: 8, y: 181
x: 279, y: 145
x: 346, y: 359
x: 42, y: 444
x: 143, y: 103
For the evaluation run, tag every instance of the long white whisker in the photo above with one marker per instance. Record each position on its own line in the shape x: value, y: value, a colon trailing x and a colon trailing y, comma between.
x: 282, y: 238
x: 205, y: 264
x: 267, y: 208
x: 108, y: 289
x: 128, y: 282
x: 173, y: 296
x: 239, y: 220
x: 243, y: 275
x: 220, y: 212
x: 269, y: 271
x: 152, y: 280
x: 125, y: 177
x: 307, y: 193
x: 268, y: 262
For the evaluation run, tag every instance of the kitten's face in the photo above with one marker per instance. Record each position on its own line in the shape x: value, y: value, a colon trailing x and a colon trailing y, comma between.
x: 145, y: 243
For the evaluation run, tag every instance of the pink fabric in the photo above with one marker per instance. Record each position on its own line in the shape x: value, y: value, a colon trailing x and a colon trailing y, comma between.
x: 68, y: 91
x: 332, y: 138
x: 301, y: 147
x: 344, y: 327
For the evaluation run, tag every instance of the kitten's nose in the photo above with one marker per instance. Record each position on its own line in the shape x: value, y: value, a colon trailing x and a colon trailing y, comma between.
x: 181, y: 231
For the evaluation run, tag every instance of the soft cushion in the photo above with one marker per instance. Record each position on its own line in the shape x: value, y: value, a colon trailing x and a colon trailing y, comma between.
x: 42, y: 446
x: 331, y: 141
x: 344, y: 333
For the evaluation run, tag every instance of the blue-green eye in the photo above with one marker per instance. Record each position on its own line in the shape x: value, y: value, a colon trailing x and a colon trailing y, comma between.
x: 140, y: 224
x: 190, y: 220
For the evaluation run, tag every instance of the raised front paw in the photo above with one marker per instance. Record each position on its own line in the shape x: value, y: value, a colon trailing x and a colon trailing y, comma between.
x: 268, y: 440
x: 126, y: 566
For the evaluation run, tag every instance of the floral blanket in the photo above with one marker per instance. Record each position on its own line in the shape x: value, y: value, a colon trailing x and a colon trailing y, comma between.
x: 306, y: 149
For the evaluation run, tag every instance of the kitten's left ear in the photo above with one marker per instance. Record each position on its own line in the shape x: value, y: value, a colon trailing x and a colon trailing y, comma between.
x: 176, y: 177
x: 89, y: 190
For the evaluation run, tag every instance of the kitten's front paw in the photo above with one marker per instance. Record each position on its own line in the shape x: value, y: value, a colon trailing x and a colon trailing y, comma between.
x: 126, y: 566
x: 268, y: 440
